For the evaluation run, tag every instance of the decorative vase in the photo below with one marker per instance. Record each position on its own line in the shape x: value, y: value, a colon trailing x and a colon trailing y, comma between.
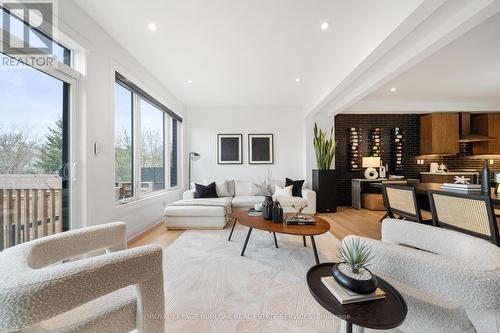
x: 267, y: 208
x: 277, y: 212
x: 362, y: 283
x: 485, y: 181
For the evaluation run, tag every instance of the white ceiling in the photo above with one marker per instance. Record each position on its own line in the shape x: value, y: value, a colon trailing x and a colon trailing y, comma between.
x: 465, y: 71
x: 249, y: 52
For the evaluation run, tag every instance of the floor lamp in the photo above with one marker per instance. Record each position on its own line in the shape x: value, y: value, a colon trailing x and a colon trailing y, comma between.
x: 192, y: 157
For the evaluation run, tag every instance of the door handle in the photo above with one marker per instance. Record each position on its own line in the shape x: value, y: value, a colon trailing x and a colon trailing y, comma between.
x: 74, y: 170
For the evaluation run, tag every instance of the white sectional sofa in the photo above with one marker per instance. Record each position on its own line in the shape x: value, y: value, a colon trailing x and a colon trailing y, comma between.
x: 212, y: 213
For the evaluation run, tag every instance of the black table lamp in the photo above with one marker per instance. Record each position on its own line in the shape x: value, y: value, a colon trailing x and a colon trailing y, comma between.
x: 192, y: 157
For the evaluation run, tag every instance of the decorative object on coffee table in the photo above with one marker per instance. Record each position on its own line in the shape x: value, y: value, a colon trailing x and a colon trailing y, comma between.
x: 351, y: 272
x: 299, y: 210
x: 260, y: 149
x: 277, y: 212
x: 323, y: 179
x: 267, y: 207
x: 229, y: 149
x: 382, y: 314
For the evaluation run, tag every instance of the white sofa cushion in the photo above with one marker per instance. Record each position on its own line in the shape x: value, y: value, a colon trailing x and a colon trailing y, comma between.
x: 242, y: 188
x: 187, y: 211
x: 247, y: 201
x: 195, y: 222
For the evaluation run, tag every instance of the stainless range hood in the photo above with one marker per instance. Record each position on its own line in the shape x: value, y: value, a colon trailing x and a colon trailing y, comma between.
x: 465, y: 130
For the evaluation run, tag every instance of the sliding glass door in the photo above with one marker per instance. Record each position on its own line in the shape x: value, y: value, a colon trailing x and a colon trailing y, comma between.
x: 34, y: 154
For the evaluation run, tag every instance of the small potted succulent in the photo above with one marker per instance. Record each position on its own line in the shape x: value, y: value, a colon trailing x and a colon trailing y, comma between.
x: 351, y: 272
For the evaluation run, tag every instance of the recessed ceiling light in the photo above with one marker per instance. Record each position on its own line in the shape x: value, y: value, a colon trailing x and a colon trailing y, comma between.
x: 297, y: 79
x: 190, y: 81
x: 325, y: 26
x: 393, y: 89
x: 152, y: 26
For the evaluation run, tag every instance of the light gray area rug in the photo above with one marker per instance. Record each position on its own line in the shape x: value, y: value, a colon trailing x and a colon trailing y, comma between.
x: 211, y: 288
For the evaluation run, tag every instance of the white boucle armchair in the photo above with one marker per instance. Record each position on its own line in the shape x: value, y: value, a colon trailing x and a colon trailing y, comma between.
x: 450, y: 280
x: 118, y: 291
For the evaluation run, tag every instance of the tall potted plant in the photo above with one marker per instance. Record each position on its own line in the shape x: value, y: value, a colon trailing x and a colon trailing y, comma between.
x: 324, y: 177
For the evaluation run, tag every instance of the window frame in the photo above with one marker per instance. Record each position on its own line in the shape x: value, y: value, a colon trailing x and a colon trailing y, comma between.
x: 139, y: 95
x: 70, y: 77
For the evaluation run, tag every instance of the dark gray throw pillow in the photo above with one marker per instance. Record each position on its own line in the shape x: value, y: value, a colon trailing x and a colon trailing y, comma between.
x: 208, y: 191
x: 296, y: 186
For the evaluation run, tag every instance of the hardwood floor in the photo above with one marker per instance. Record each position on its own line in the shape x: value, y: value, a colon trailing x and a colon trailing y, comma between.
x: 157, y: 235
x: 346, y: 221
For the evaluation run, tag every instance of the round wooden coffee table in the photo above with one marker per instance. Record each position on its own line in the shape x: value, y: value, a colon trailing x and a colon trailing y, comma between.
x: 380, y: 314
x: 258, y: 222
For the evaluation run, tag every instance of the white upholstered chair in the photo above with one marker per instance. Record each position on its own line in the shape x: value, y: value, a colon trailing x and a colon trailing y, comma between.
x: 118, y: 291
x: 450, y: 280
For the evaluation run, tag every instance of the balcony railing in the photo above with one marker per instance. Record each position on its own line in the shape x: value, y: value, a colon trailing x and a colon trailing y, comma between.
x: 29, y: 211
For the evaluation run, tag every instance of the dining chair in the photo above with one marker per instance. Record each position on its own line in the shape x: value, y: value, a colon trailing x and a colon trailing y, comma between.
x: 472, y: 214
x: 401, y: 202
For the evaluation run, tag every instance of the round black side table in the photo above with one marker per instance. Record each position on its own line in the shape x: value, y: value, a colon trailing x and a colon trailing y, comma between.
x: 380, y: 314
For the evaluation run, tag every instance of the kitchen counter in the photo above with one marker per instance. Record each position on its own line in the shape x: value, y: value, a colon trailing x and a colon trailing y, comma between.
x: 451, y: 173
x: 447, y: 177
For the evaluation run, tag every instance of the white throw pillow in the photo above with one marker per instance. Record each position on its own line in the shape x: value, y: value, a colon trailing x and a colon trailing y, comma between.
x: 242, y: 188
x: 283, y: 192
x: 260, y: 189
x: 223, y: 189
x: 230, y: 186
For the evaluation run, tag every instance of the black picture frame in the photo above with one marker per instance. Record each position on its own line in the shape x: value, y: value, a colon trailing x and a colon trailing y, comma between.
x: 260, y: 149
x: 229, y: 149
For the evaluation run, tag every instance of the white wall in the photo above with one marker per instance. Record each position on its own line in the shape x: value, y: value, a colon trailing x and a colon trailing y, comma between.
x: 102, y: 56
x: 286, y: 124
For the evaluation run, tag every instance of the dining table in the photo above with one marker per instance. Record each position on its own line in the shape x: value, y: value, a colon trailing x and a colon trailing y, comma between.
x: 422, y: 190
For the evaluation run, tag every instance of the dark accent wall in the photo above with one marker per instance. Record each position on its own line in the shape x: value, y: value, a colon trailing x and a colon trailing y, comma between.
x: 410, y: 124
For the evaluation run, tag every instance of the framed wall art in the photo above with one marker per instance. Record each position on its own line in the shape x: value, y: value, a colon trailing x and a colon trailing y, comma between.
x: 229, y: 148
x: 260, y: 149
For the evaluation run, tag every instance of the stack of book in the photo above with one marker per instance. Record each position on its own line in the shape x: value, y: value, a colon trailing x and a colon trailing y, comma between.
x: 461, y: 187
x: 300, y: 220
x: 345, y: 296
x: 253, y: 212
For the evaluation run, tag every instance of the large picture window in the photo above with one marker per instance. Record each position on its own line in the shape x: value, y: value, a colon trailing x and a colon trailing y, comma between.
x: 152, y: 148
x: 146, y: 142
x: 124, y: 151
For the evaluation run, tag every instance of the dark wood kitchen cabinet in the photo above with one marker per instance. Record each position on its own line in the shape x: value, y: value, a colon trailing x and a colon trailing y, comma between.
x: 439, y: 134
x: 487, y: 125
